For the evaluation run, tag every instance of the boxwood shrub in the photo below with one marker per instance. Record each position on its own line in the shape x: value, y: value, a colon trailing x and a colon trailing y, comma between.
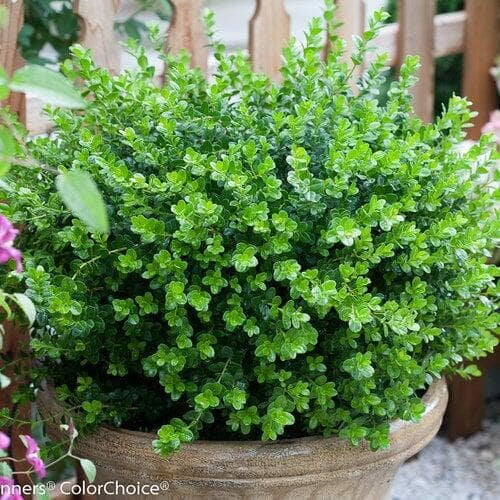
x: 284, y: 259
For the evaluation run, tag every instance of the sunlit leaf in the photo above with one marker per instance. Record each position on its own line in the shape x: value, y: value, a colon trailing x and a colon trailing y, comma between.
x: 89, y: 469
x: 47, y: 85
x: 81, y: 196
x: 4, y: 88
x: 7, y: 149
x: 4, y: 16
x: 26, y: 306
x: 4, y: 381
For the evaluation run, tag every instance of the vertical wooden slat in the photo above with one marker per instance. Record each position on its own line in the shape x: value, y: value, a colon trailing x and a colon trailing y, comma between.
x: 352, y: 15
x: 482, y: 38
x: 10, y: 59
x: 186, y: 31
x: 416, y: 36
x: 97, y: 32
x: 269, y: 30
x: 465, y: 408
x: 468, y: 400
x: 15, y: 348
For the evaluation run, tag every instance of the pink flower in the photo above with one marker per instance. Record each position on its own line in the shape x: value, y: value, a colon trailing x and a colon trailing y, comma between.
x: 7, y: 251
x: 9, y: 491
x: 4, y: 441
x: 33, y: 457
x: 493, y: 126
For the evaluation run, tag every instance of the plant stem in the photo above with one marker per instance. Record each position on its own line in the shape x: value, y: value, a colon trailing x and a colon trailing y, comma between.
x: 96, y: 258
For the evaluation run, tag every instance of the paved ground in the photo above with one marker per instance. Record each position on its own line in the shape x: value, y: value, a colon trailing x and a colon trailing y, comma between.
x: 464, y: 470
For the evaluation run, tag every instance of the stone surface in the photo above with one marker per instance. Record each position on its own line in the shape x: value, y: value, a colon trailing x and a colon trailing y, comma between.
x: 309, y: 468
x: 463, y: 470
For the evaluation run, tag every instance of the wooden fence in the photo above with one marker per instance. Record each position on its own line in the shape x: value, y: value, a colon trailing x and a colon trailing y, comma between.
x: 474, y: 32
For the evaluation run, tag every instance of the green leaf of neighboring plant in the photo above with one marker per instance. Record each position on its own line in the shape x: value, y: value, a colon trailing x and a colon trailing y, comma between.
x: 4, y: 88
x: 89, y: 469
x: 4, y: 381
x: 47, y: 85
x: 4, y: 167
x: 7, y: 143
x: 26, y: 306
x: 5, y: 469
x: 23, y: 439
x: 4, y: 16
x: 42, y: 495
x: 83, y: 199
x: 7, y: 148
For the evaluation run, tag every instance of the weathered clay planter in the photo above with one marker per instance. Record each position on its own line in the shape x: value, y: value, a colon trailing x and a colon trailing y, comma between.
x: 306, y: 468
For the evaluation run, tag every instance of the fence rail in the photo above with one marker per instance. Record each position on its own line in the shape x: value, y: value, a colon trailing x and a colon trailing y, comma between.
x: 474, y: 31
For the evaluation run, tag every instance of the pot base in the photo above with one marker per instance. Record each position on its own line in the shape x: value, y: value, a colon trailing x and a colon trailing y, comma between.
x: 313, y: 468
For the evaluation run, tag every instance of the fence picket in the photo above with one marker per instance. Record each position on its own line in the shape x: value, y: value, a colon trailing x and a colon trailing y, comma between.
x: 449, y: 33
x: 97, y: 33
x: 15, y: 348
x: 482, y: 39
x: 449, y: 37
x: 269, y: 30
x: 187, y: 32
x: 416, y: 36
x: 352, y: 14
x: 10, y: 59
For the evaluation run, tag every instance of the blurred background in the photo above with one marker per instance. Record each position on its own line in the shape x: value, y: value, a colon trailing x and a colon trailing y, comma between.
x: 463, y: 462
x: 51, y: 26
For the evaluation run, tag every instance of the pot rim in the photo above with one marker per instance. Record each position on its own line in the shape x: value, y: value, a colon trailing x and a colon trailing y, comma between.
x: 431, y: 399
x: 316, y: 457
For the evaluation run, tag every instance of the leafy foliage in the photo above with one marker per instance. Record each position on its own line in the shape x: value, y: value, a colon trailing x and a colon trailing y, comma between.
x: 55, y: 89
x: 76, y: 188
x: 53, y: 23
x: 283, y: 259
x: 45, y: 24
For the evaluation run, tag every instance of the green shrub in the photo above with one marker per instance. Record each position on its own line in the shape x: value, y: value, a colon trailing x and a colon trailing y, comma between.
x: 284, y: 259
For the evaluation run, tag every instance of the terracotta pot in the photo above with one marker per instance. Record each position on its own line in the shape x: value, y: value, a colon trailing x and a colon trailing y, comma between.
x: 305, y: 468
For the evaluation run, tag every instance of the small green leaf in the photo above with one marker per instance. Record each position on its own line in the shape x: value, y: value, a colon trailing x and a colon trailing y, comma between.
x: 359, y: 366
x: 199, y: 300
x: 288, y: 269
x: 47, y: 85
x: 206, y: 399
x: 236, y: 398
x: 244, y: 257
x: 89, y: 469
x: 81, y: 196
